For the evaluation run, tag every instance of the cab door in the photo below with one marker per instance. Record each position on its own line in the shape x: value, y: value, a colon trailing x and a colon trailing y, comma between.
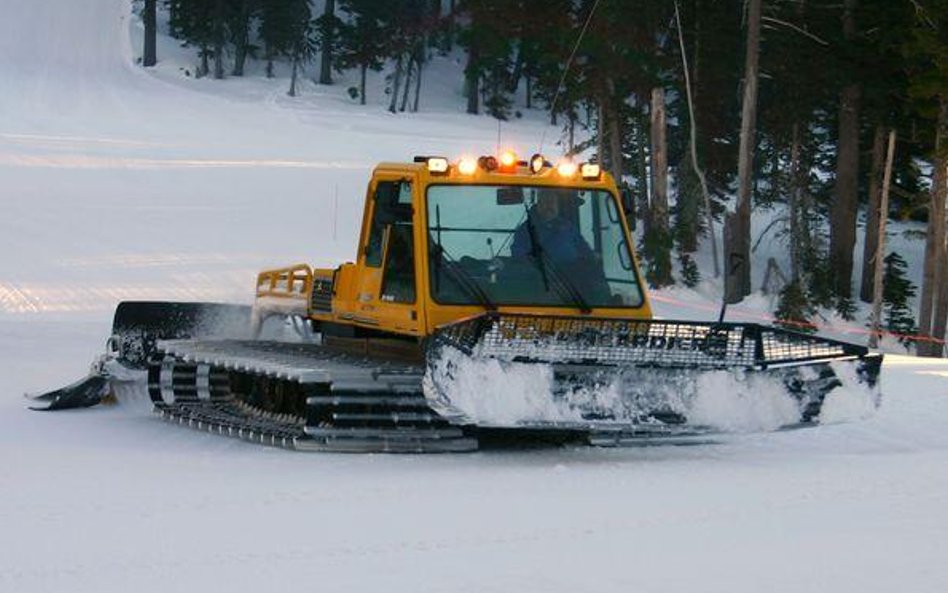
x: 388, y: 288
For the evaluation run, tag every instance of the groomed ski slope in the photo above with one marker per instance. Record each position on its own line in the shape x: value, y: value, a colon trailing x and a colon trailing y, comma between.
x: 117, y: 183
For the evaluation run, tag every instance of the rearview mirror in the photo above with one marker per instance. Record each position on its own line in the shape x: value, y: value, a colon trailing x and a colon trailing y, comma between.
x: 508, y: 196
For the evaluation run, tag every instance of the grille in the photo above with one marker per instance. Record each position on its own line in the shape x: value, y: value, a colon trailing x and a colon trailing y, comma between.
x: 322, y: 294
x: 675, y: 344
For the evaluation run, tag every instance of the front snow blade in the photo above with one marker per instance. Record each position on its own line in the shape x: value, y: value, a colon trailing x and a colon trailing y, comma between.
x: 638, y: 377
x: 81, y: 394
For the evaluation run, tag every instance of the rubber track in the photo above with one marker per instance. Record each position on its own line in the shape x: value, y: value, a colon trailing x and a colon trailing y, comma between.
x: 357, y: 404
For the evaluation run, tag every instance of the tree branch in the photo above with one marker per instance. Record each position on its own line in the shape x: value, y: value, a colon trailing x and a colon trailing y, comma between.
x: 804, y: 32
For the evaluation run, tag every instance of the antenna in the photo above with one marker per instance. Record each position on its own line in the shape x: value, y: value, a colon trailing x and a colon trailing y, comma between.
x: 498, y: 138
x: 569, y: 63
x: 335, y: 210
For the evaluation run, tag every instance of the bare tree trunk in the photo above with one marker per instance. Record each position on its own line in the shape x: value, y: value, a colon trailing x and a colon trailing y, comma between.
x: 796, y: 218
x: 328, y: 33
x: 219, y: 39
x: 843, y: 214
x: 940, y: 326
x: 745, y: 163
x: 693, y: 143
x: 420, y: 65
x: 396, y: 83
x: 362, y: 69
x: 927, y: 296
x: 872, y: 216
x: 879, y: 254
x: 150, y: 20
x: 472, y: 77
x: 733, y: 291
x: 615, y: 132
x: 934, y: 275
x: 600, y: 136
x: 940, y: 321
x: 292, y: 91
x: 205, y: 66
x: 644, y: 203
x: 450, y: 24
x: 517, y: 72
x: 659, y: 167
x: 242, y: 39
x: 659, y: 238
x: 407, y: 86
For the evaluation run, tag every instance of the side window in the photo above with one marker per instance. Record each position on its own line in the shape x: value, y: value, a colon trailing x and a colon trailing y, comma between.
x: 391, y: 239
x: 386, y: 199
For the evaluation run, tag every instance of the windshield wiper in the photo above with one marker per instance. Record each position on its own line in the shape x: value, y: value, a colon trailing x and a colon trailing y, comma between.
x: 572, y: 293
x: 463, y: 278
x: 467, y: 281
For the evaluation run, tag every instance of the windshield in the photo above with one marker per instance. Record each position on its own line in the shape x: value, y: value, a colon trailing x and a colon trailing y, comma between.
x: 520, y: 245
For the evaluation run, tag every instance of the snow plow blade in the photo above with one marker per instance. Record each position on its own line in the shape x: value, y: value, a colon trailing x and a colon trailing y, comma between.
x: 137, y: 326
x: 634, y: 377
x: 84, y: 393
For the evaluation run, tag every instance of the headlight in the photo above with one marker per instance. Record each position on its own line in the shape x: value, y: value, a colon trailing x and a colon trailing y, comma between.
x: 467, y: 166
x: 437, y: 165
x: 566, y: 168
x: 590, y: 171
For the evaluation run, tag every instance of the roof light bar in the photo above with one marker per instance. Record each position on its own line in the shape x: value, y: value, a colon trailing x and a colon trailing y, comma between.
x: 537, y: 162
x: 437, y: 165
x: 488, y: 163
x: 508, y: 161
x: 467, y: 166
x: 566, y: 168
x: 590, y: 171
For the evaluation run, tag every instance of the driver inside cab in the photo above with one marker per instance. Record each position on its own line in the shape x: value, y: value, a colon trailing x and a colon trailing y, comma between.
x: 553, y: 228
x: 551, y: 233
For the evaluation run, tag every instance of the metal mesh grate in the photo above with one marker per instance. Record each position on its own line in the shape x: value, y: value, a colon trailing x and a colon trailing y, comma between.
x: 652, y: 343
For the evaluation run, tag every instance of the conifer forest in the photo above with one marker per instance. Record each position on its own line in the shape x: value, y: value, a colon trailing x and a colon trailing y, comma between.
x: 822, y: 113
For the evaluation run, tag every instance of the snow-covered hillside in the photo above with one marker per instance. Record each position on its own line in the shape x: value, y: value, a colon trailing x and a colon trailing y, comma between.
x: 119, y: 183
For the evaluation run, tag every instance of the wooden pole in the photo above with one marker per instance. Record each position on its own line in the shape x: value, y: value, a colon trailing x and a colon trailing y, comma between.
x: 880, y: 245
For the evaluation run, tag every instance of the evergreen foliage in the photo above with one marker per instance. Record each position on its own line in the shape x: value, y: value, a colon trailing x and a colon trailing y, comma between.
x: 846, y: 307
x: 897, y: 291
x: 690, y: 275
x: 794, y: 310
x: 514, y: 55
x: 362, y: 38
x: 656, y: 255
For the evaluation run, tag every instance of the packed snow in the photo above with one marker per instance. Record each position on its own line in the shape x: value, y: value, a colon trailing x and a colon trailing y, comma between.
x: 119, y: 183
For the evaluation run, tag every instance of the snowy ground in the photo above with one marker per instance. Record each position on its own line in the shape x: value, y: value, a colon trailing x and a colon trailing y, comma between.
x: 117, y: 183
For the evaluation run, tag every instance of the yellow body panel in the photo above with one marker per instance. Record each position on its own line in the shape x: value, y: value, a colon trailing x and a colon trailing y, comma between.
x: 351, y: 294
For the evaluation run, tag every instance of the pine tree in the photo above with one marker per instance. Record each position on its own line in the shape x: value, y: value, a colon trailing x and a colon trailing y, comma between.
x: 328, y: 27
x: 690, y: 275
x: 362, y: 38
x: 846, y: 307
x: 193, y: 22
x: 794, y: 309
x: 240, y: 15
x: 897, y: 291
x: 280, y: 28
x: 489, y: 43
x: 301, y: 46
x: 656, y: 255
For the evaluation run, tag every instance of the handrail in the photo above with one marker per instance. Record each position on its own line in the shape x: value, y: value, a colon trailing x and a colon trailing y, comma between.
x: 290, y: 282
